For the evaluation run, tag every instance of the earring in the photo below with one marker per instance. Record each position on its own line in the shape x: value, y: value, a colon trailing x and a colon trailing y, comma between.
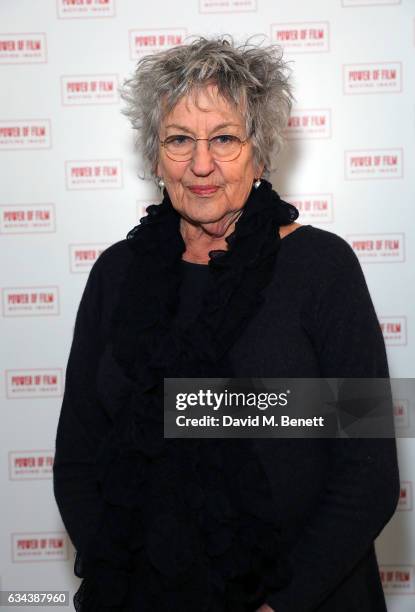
x: 161, y: 183
x: 257, y: 183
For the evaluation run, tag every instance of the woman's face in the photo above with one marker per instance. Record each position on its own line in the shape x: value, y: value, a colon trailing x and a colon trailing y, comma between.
x: 203, y: 190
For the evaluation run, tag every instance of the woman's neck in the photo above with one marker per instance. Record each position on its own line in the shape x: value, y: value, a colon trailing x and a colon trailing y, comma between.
x: 199, y: 242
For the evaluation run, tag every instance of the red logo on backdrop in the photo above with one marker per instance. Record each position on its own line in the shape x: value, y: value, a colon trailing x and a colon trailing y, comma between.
x: 378, y: 248
x: 49, y: 546
x: 28, y: 48
x: 307, y: 37
x: 394, y: 330
x: 405, y: 496
x: 94, y: 174
x: 401, y: 413
x: 347, y: 3
x: 398, y: 579
x: 227, y: 6
x: 144, y: 42
x: 27, y: 218
x: 89, y: 89
x: 373, y: 164
x: 68, y: 9
x: 30, y: 465
x: 17, y: 134
x: 309, y: 124
x: 372, y: 78
x: 30, y: 301
x: 313, y: 208
x: 83, y: 256
x: 29, y: 384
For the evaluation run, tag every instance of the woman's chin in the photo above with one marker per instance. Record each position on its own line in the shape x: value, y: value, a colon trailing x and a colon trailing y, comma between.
x: 211, y: 224
x: 205, y: 214
x: 215, y: 228
x: 214, y: 219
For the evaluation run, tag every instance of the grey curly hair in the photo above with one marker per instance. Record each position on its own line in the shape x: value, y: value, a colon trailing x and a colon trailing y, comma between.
x: 250, y: 75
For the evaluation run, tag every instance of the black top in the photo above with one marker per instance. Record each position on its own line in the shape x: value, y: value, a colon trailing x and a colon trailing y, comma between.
x: 194, y: 284
x: 333, y: 497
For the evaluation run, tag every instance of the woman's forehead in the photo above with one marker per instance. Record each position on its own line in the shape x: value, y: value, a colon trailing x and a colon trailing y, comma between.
x: 204, y: 103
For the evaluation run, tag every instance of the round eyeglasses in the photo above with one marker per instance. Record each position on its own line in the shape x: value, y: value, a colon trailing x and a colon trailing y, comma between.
x: 224, y: 147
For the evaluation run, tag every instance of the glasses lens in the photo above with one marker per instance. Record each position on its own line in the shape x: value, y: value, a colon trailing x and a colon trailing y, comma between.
x: 225, y: 147
x: 179, y: 147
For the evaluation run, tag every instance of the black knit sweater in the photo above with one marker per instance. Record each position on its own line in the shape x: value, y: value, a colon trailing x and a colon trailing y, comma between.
x: 332, y: 497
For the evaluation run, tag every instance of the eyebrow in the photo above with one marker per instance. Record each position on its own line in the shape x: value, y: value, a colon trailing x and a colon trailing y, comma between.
x: 217, y: 127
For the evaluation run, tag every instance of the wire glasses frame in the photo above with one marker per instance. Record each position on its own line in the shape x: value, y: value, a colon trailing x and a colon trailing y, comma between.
x: 233, y: 151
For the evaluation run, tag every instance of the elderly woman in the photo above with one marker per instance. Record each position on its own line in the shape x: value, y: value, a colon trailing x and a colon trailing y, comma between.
x: 218, y: 280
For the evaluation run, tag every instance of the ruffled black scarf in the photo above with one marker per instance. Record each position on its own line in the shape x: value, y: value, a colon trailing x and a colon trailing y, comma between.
x: 186, y: 524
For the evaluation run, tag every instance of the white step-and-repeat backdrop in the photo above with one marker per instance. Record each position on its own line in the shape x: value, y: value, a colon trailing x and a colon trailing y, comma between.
x: 70, y: 187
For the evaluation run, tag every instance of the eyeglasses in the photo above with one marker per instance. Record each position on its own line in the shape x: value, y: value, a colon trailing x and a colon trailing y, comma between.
x: 224, y: 147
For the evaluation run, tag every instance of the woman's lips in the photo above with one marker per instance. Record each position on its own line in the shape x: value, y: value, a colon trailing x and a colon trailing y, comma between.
x: 204, y: 190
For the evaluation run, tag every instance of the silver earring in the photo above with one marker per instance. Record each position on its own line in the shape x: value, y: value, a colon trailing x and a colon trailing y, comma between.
x: 161, y: 183
x: 257, y: 183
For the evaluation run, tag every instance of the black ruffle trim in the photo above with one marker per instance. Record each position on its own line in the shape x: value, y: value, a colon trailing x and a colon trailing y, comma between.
x: 186, y: 524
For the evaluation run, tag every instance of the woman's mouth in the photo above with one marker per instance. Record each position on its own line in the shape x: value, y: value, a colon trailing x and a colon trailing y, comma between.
x: 203, y: 190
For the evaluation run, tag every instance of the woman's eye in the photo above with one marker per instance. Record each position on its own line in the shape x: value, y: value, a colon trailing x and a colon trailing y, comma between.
x: 224, y: 139
x: 178, y: 139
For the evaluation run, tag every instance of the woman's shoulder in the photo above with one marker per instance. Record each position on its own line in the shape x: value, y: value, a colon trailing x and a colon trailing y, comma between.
x: 319, y: 260
x: 114, y: 258
x: 116, y: 253
x: 109, y: 269
x: 104, y: 283
x: 319, y: 247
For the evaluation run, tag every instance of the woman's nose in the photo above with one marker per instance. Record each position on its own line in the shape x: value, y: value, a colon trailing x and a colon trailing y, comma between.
x: 202, y: 162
